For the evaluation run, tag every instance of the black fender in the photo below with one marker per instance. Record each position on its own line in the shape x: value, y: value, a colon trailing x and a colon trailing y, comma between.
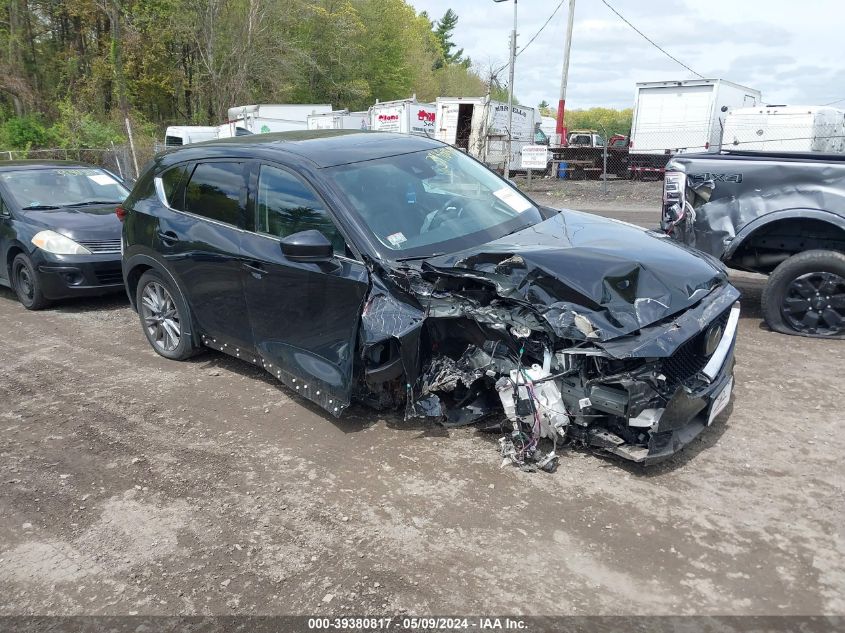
x: 158, y: 264
x: 784, y: 214
x: 7, y: 265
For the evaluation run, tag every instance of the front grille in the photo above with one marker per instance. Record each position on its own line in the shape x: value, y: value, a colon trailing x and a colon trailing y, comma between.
x: 109, y: 276
x: 102, y: 246
x: 689, y: 359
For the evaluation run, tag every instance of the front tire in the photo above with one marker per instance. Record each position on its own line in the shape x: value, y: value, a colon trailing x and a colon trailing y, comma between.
x: 164, y: 317
x: 805, y: 295
x: 27, y: 284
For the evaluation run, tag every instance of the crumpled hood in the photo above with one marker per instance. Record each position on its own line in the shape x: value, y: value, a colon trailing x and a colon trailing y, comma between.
x: 589, y: 277
x: 83, y: 223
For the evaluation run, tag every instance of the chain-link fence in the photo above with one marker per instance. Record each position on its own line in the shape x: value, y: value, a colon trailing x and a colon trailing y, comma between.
x: 119, y: 159
x: 652, y: 145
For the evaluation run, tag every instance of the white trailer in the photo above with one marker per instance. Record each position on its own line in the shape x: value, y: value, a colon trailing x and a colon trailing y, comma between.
x: 178, y: 135
x: 480, y: 127
x: 684, y: 116
x: 779, y: 128
x: 339, y: 120
x: 403, y: 116
x: 264, y: 118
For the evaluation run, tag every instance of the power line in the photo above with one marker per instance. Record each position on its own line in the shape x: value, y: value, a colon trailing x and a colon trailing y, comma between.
x: 533, y: 37
x: 545, y: 24
x: 650, y: 41
x: 832, y: 102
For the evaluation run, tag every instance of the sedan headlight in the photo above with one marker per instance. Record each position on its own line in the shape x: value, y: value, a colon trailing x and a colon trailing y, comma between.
x: 58, y: 244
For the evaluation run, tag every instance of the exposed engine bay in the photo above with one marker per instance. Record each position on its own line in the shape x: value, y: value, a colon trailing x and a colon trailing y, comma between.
x: 630, y: 362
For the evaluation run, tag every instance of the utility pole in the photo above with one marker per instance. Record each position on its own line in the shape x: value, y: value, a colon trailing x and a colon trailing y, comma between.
x: 560, y: 128
x: 510, y: 90
x: 510, y: 94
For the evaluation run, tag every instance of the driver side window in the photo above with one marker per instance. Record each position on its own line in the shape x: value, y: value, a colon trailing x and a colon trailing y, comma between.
x: 286, y: 205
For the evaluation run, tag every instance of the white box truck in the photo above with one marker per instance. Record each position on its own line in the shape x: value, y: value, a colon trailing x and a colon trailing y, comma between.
x: 673, y: 117
x: 268, y: 117
x: 403, y: 116
x: 480, y: 127
x: 781, y: 128
x: 339, y: 120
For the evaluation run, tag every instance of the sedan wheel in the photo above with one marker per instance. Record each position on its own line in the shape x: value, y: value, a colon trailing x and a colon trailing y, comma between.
x: 164, y: 317
x: 26, y: 283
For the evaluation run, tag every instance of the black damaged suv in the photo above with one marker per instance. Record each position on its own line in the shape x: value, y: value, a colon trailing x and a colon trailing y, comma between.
x: 398, y: 271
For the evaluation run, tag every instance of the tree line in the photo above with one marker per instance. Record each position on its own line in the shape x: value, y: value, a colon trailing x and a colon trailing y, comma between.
x: 72, y: 70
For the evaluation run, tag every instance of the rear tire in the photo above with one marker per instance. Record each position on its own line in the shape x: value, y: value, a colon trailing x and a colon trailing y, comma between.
x: 27, y: 284
x: 805, y: 295
x: 164, y: 317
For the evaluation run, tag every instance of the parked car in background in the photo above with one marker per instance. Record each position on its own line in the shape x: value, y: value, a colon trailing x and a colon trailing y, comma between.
x: 780, y: 214
x: 398, y: 271
x: 59, y: 236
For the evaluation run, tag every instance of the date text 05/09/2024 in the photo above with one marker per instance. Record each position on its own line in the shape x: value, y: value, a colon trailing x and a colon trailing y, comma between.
x: 410, y: 623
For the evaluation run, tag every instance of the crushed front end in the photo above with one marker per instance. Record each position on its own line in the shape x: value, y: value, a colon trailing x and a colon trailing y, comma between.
x: 626, y: 359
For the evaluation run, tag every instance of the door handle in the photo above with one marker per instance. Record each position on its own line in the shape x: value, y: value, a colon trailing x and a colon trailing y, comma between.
x: 255, y: 268
x: 168, y: 237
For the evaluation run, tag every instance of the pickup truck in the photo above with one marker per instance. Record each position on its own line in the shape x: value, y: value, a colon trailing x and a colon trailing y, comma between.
x: 780, y: 214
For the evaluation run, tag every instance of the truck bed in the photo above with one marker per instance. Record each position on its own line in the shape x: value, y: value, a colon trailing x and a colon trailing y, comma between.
x: 799, y: 157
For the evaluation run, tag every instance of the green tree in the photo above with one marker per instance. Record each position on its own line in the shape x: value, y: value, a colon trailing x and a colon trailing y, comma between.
x: 603, y: 119
x: 443, y: 29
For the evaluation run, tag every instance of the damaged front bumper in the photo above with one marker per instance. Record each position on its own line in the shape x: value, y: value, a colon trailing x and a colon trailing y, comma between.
x: 691, y: 409
x: 671, y: 381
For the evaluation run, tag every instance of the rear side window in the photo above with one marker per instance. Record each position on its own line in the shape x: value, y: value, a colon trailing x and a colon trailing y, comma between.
x: 286, y: 205
x: 215, y: 191
x: 171, y: 181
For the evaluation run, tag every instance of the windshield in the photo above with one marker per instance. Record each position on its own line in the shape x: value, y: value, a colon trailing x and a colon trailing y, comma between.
x: 435, y: 201
x: 63, y: 187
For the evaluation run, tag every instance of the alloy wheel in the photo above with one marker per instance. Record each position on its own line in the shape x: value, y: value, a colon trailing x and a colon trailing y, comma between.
x: 815, y: 304
x: 160, y: 317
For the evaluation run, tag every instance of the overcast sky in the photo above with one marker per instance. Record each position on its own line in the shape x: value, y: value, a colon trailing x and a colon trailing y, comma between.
x: 793, y: 52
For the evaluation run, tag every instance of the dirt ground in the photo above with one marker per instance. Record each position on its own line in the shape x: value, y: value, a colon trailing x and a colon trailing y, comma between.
x: 133, y: 484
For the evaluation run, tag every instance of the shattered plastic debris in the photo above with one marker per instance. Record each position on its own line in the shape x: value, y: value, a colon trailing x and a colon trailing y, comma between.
x: 568, y: 329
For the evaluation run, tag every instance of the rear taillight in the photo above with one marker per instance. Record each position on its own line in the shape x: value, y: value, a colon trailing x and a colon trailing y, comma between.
x: 120, y: 212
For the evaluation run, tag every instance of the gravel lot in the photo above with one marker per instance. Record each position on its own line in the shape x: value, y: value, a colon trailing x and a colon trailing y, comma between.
x: 133, y: 484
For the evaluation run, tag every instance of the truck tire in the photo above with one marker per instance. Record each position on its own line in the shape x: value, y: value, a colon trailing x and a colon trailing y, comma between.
x: 805, y: 295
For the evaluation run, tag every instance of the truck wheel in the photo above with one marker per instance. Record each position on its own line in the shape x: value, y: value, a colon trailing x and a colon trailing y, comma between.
x: 805, y: 295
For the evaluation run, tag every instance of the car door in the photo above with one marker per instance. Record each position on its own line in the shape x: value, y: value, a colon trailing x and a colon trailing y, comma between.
x: 201, y: 242
x: 304, y: 315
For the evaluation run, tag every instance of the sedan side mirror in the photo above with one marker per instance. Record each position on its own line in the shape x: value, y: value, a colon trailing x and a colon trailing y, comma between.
x: 307, y: 246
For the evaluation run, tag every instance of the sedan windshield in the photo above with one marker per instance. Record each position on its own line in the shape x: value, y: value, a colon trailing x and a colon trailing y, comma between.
x: 431, y: 202
x: 63, y: 187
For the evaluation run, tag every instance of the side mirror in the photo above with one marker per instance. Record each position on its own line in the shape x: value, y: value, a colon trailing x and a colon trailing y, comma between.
x: 307, y: 246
